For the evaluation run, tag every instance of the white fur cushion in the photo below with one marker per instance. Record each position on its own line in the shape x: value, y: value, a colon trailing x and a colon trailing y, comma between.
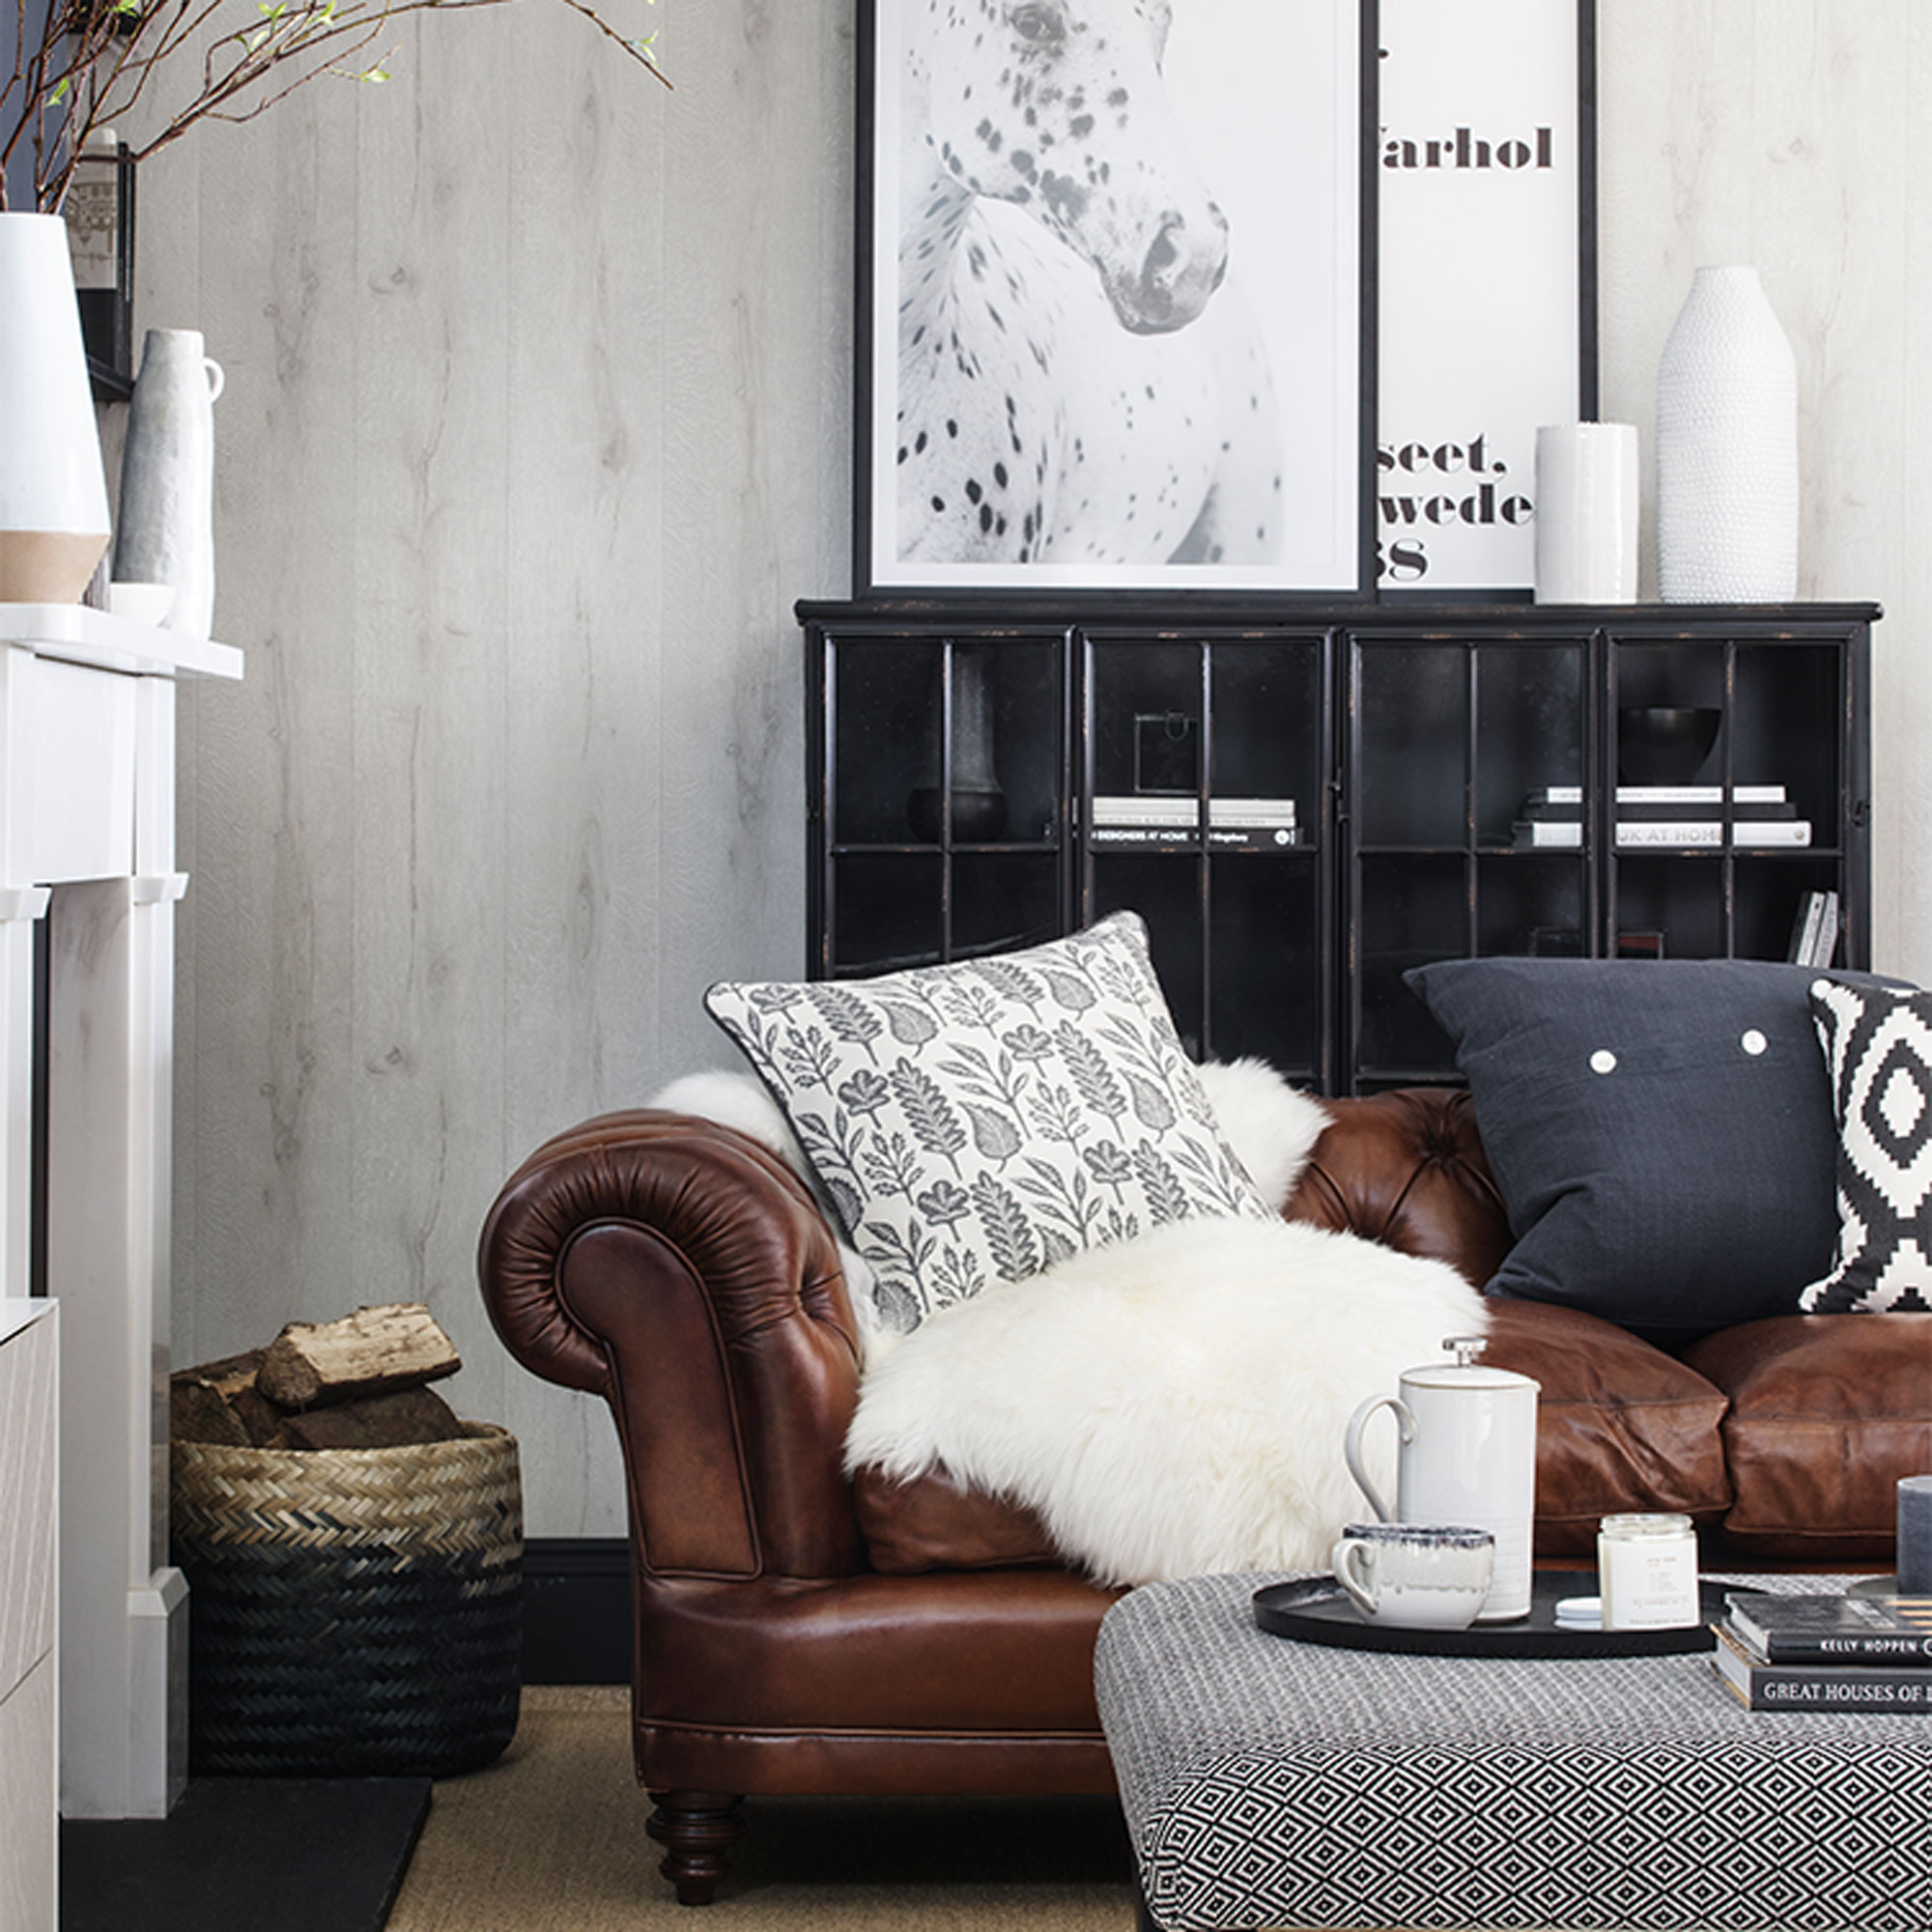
x: 1172, y: 1405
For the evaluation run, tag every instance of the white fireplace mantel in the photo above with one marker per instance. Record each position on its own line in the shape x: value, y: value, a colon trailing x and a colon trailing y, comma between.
x: 87, y: 842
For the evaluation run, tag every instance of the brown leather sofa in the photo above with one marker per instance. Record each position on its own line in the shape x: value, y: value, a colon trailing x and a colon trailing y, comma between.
x: 797, y: 1633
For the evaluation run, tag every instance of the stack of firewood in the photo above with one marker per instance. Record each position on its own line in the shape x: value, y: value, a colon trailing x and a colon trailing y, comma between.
x: 357, y: 1384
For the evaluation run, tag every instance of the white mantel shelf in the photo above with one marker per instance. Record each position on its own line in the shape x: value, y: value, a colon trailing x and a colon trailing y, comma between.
x: 102, y: 642
x: 87, y: 843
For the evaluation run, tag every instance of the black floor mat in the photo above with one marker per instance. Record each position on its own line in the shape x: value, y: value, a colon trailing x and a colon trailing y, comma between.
x: 248, y: 1855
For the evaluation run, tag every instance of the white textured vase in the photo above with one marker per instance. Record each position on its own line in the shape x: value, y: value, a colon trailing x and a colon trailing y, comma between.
x: 167, y: 533
x: 1726, y: 448
x: 53, y: 491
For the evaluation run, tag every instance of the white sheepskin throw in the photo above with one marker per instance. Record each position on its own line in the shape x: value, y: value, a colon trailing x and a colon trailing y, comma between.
x: 1174, y: 1404
x: 1271, y: 1126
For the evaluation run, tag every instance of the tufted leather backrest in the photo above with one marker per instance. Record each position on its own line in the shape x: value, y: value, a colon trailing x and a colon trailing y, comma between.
x: 1407, y: 1168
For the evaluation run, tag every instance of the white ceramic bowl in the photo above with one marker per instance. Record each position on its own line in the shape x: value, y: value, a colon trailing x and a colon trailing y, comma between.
x: 141, y: 603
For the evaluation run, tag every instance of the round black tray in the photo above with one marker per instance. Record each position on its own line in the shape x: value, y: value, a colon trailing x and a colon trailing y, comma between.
x: 1317, y: 1609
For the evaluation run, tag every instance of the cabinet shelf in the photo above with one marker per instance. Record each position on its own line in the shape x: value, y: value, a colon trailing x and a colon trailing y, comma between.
x: 960, y: 849
x: 1410, y: 740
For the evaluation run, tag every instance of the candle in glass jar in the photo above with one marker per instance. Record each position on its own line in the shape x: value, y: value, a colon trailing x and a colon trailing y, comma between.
x: 1647, y: 1571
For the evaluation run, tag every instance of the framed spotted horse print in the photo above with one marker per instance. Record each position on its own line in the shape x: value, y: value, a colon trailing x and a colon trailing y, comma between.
x: 1114, y: 314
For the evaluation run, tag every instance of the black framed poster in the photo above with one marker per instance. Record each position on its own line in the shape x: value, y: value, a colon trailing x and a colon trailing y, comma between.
x: 1485, y: 322
x: 1111, y: 322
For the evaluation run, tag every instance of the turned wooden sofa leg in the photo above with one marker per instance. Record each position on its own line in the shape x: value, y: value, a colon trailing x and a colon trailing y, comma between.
x: 695, y: 1828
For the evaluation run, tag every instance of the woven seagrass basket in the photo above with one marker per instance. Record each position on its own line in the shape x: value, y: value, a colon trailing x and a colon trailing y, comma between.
x: 352, y: 1611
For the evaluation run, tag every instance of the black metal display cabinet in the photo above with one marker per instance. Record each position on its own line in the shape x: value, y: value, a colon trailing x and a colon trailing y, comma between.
x: 1304, y: 802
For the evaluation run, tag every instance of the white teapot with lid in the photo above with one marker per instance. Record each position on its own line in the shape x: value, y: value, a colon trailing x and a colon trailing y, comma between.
x: 1468, y: 1459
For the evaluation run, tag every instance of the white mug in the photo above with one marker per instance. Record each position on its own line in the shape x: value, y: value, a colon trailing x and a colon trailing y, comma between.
x: 1412, y: 1576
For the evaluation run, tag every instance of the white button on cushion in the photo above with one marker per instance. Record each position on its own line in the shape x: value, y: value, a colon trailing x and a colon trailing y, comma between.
x: 1603, y: 1061
x: 1753, y: 1042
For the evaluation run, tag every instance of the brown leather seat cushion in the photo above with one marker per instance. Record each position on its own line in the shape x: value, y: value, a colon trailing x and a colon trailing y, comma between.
x: 934, y: 1523
x: 1826, y: 1412
x: 1620, y: 1426
x: 996, y: 1652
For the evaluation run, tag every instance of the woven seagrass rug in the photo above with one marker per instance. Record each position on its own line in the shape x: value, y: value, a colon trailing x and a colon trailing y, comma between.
x: 246, y: 1855
x: 550, y: 1838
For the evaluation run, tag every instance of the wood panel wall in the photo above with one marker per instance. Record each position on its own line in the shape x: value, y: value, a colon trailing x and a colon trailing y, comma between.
x: 537, y: 421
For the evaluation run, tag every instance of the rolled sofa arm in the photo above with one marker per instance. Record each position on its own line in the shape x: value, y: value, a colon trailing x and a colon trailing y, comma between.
x: 682, y: 1271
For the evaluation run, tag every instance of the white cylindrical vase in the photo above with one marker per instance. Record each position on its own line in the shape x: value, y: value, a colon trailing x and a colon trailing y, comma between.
x: 53, y: 490
x: 167, y: 533
x: 1586, y: 513
x: 1727, y: 448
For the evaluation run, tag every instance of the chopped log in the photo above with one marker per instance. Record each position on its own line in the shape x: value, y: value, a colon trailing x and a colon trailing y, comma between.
x: 373, y: 1351
x: 227, y: 1374
x: 375, y: 1422
x: 257, y: 1415
x: 198, y: 1413
x: 212, y: 1401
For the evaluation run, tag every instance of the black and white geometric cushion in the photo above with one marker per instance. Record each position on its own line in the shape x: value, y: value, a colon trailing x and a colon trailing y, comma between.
x: 1878, y: 1052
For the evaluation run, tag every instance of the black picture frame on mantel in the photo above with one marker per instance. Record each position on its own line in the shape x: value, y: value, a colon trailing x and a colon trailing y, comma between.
x: 1116, y: 314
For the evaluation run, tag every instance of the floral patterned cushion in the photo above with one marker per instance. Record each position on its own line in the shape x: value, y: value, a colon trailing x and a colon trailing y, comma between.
x: 979, y: 1122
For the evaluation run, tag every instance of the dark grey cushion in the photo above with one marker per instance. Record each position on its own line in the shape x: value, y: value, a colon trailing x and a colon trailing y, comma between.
x: 1661, y: 1130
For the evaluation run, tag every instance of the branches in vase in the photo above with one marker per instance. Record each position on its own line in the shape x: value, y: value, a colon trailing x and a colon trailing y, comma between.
x: 79, y: 65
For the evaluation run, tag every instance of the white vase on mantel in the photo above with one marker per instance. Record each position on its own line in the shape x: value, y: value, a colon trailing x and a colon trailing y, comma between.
x: 166, y: 528
x: 53, y: 489
x: 1727, y: 448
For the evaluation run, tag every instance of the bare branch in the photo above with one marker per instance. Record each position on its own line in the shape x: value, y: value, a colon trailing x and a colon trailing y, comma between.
x: 96, y: 60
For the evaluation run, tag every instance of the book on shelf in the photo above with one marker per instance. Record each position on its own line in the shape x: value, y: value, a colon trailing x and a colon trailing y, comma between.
x: 1826, y: 948
x: 1746, y: 835
x: 1825, y: 1627
x: 1187, y: 837
x: 1635, y: 794
x: 1181, y: 812
x: 1880, y: 1688
x: 1814, y: 932
x: 1661, y: 809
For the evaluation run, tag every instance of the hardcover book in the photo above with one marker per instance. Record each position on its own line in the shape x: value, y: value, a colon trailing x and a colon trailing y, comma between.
x: 1879, y: 1688
x: 1824, y: 1628
x: 1187, y: 837
x: 1746, y: 833
x: 1692, y: 794
x: 1166, y: 810
x: 1661, y: 810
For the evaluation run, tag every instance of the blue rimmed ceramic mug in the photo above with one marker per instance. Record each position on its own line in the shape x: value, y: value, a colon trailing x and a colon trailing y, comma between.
x: 1414, y: 1575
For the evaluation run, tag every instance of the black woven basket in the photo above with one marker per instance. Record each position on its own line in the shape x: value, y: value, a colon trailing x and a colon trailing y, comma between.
x: 351, y: 1611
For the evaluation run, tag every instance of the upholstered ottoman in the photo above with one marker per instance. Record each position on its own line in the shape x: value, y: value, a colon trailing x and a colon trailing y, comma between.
x: 1273, y: 1783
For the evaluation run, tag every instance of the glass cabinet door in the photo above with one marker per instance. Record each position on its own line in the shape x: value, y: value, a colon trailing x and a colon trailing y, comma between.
x: 941, y: 781
x: 1468, y: 824
x: 1732, y: 787
x: 1208, y: 762
x: 1303, y: 807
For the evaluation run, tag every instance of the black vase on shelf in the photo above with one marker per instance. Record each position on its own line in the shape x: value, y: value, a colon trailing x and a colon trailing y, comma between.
x: 978, y: 805
x: 1665, y: 744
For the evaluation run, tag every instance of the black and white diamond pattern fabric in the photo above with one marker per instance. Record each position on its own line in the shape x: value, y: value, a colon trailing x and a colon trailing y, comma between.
x: 1878, y: 1053
x: 1270, y: 1784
